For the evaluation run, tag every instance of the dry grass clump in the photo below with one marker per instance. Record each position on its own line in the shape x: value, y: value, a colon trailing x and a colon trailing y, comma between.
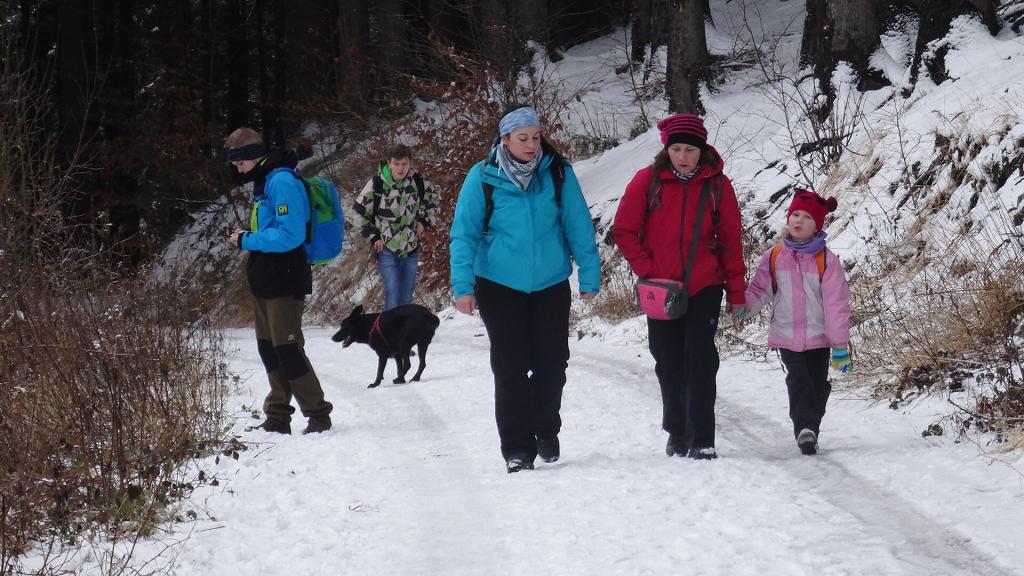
x: 617, y: 299
x: 934, y: 331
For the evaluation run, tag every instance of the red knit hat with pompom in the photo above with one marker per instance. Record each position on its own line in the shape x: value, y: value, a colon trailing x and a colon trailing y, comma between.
x: 813, y: 204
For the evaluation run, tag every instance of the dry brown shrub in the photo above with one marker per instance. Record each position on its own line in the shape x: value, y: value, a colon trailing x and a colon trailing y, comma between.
x: 935, y: 332
x: 617, y: 299
x: 107, y: 387
x: 108, y: 383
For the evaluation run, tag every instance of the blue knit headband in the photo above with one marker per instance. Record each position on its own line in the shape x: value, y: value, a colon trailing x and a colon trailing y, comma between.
x: 516, y: 119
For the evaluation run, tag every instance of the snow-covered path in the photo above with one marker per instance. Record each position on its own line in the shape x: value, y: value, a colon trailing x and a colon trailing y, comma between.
x: 410, y: 481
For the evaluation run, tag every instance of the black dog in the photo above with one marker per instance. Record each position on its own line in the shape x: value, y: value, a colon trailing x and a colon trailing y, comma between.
x: 391, y: 334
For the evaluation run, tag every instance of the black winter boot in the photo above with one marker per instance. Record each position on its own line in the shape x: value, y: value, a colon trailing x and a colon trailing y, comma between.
x: 517, y: 462
x: 707, y: 453
x: 807, y: 441
x: 675, y: 445
x: 548, y: 449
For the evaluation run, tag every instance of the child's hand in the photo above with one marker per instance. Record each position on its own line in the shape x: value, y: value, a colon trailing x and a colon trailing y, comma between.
x: 841, y: 360
x: 737, y: 310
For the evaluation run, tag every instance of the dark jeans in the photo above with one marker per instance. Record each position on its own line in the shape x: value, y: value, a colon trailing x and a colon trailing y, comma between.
x: 809, y: 388
x: 686, y: 362
x: 398, y: 274
x: 529, y: 334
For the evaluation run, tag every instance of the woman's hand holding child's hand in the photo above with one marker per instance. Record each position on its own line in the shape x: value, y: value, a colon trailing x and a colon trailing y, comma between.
x: 841, y: 360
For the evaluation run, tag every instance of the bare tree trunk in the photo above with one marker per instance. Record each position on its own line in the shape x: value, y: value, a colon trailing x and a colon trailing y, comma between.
x: 856, y: 31
x: 532, y: 17
x: 640, y: 37
x: 206, y: 51
x: 495, y: 21
x: 987, y: 10
x: 264, y: 64
x: 352, y: 82
x: 274, y: 131
x: 936, y: 18
x: 651, y: 20
x: 237, y: 66
x: 306, y: 49
x: 841, y: 30
x: 687, y: 57
x: 76, y: 62
x: 661, y: 22
x: 392, y: 28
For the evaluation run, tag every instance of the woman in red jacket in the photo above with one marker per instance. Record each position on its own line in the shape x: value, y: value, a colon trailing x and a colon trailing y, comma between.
x: 654, y: 229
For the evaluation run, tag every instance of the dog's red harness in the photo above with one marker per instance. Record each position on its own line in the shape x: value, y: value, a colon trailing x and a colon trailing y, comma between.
x: 375, y: 329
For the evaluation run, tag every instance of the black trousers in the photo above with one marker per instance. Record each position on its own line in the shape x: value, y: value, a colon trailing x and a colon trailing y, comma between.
x: 529, y: 335
x: 686, y: 362
x: 808, y: 385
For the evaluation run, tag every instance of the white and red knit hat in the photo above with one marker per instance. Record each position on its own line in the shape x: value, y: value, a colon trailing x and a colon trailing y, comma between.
x: 684, y: 129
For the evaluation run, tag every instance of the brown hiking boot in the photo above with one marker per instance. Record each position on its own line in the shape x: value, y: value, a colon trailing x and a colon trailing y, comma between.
x: 275, y: 426
x: 317, y: 425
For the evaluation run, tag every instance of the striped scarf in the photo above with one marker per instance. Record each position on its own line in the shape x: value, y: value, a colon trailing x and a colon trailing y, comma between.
x: 518, y: 172
x: 683, y: 177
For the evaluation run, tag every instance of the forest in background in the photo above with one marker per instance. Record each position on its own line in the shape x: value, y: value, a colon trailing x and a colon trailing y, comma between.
x: 140, y: 93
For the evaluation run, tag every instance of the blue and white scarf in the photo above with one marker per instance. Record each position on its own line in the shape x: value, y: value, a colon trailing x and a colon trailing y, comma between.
x: 520, y: 173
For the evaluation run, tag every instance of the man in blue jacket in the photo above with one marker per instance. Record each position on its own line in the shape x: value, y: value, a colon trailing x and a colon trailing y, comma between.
x: 279, y: 279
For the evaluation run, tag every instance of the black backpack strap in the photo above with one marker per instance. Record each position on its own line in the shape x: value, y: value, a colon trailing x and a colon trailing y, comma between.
x: 716, y: 200
x: 420, y: 188
x: 558, y: 178
x: 488, y: 206
x: 378, y: 191
x: 704, y: 193
x: 651, y: 201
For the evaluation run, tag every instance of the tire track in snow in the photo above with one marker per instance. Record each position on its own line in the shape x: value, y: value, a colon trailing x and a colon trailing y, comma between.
x: 432, y: 497
x: 915, y: 540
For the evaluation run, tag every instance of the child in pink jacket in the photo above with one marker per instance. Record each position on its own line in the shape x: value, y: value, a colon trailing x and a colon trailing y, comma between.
x: 804, y: 282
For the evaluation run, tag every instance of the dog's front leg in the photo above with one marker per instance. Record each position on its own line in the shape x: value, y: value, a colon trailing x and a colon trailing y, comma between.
x: 381, y: 362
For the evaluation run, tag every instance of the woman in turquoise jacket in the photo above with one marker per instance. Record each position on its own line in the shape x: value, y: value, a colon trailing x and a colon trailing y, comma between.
x: 520, y: 222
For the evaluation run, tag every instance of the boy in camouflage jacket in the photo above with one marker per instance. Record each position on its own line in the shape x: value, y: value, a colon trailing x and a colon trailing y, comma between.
x: 393, y: 210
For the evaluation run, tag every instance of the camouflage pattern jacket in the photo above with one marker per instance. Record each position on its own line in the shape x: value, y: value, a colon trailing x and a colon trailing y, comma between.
x: 388, y: 210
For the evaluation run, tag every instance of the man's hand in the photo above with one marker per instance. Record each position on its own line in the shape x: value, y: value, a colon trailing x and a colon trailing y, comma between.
x: 419, y: 229
x: 466, y: 303
x: 588, y: 295
x: 378, y: 246
x: 235, y: 239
